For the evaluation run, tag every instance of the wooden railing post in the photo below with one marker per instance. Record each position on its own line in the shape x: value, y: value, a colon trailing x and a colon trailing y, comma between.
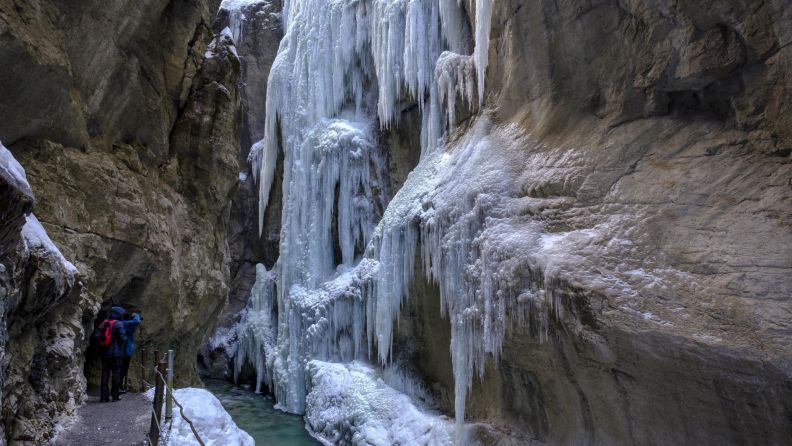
x: 159, y: 387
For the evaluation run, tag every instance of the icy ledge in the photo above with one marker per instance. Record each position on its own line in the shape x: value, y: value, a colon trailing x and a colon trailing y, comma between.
x: 351, y: 404
x: 35, y: 237
x: 209, y: 417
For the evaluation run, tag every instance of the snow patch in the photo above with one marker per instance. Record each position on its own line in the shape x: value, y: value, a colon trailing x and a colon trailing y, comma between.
x: 214, y: 47
x: 210, y: 419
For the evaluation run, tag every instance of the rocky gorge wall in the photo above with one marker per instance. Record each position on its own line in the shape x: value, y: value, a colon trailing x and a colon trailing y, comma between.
x: 658, y: 133
x: 126, y: 119
x: 256, y: 28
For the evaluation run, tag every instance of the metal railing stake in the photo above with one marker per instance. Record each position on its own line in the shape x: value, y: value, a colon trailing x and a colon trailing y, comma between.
x: 169, y: 395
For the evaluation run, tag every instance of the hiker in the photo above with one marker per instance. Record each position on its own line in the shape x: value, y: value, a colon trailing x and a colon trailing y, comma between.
x: 111, y: 338
x: 130, y: 326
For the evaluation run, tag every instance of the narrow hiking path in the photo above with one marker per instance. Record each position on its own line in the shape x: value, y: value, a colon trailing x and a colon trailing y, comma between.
x: 124, y: 422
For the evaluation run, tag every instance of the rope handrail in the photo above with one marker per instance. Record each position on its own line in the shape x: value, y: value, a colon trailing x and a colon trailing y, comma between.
x: 167, y: 390
x: 181, y: 410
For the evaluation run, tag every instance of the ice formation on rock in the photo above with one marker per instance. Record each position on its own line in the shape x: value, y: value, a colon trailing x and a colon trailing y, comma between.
x: 351, y: 404
x: 345, y: 69
x: 331, y: 51
x: 257, y: 329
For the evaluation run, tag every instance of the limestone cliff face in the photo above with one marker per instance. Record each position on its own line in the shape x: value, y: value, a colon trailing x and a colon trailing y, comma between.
x: 126, y: 118
x: 664, y: 127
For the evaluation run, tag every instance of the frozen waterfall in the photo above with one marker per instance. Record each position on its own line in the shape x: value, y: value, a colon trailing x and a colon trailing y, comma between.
x: 344, y: 71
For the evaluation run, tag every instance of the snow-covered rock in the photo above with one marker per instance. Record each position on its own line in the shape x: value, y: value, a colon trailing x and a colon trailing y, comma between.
x: 13, y: 171
x: 210, y: 419
x: 350, y: 404
x: 35, y: 237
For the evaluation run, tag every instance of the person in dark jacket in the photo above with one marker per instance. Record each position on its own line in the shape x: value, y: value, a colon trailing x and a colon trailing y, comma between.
x: 130, y: 326
x: 113, y: 357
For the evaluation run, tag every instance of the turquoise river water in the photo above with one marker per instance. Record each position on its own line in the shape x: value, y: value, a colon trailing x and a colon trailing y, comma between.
x: 257, y: 416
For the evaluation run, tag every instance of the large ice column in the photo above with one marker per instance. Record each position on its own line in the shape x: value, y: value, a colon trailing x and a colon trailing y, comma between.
x: 331, y: 187
x: 316, y: 72
x: 257, y: 330
x: 333, y: 50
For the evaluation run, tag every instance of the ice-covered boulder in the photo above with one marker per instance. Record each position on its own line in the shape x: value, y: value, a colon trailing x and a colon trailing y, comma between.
x: 351, y: 404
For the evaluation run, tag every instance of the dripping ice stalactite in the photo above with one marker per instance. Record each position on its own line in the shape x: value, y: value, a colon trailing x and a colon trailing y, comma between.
x: 481, y: 51
x: 459, y: 207
x: 344, y: 69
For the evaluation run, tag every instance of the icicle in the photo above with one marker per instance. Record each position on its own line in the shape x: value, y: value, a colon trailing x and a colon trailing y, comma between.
x: 481, y: 51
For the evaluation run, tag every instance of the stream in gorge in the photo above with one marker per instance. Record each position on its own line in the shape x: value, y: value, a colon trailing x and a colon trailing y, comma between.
x: 257, y: 415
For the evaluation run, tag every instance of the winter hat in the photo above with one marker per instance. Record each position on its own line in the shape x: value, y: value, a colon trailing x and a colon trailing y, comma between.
x: 117, y: 312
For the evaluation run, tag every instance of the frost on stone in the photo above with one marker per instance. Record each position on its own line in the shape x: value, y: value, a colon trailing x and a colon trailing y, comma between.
x: 210, y: 419
x: 351, y: 404
x: 224, y: 338
x: 455, y: 77
x: 237, y: 15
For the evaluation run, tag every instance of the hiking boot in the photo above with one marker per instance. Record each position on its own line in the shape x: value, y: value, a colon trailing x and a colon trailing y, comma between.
x: 116, y: 399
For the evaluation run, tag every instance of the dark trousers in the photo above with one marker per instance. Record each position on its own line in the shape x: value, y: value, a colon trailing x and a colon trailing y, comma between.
x: 125, y: 372
x: 111, y: 365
